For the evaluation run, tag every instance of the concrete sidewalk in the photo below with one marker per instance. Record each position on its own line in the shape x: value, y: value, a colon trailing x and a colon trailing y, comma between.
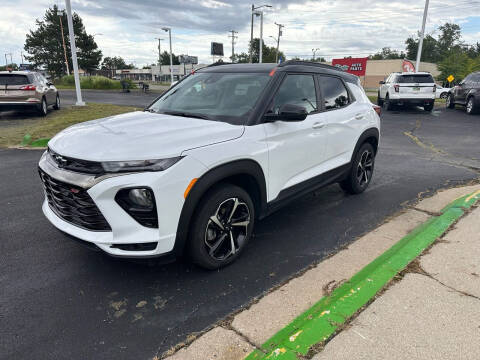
x: 433, y: 312
x: 430, y: 311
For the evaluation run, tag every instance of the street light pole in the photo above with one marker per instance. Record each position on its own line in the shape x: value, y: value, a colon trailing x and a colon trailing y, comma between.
x: 74, y: 54
x: 257, y: 13
x: 169, y: 30
x: 260, y: 51
x: 251, y: 35
x: 420, y: 41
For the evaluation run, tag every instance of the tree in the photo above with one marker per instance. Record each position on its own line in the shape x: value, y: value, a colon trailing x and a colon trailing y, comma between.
x: 115, y: 63
x: 449, y: 38
x: 429, y: 49
x: 165, y: 59
x: 269, y: 53
x: 45, y: 48
x: 12, y: 66
x: 387, y: 54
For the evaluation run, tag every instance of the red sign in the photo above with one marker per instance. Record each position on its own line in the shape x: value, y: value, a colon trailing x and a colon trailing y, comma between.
x: 355, y: 66
x: 407, y: 66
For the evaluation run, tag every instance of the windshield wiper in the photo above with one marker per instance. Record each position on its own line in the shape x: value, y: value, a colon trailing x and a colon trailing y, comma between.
x: 149, y: 110
x: 186, y: 114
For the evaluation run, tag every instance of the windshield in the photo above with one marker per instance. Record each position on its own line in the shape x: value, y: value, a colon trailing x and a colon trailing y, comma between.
x: 227, y: 97
x: 415, y: 79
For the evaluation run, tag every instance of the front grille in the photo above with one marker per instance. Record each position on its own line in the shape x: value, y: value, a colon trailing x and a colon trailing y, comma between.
x: 73, y: 204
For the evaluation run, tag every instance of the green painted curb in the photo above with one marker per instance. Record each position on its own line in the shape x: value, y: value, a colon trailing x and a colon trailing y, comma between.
x: 40, y: 142
x: 323, y: 319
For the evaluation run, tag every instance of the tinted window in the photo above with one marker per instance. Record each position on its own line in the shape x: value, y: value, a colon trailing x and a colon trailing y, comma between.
x: 334, y: 92
x: 476, y: 78
x: 421, y: 79
x: 296, y: 90
x: 13, y: 79
x: 227, y: 97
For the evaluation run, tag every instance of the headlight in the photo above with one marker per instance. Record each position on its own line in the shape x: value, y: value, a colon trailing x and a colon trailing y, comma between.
x: 139, y: 165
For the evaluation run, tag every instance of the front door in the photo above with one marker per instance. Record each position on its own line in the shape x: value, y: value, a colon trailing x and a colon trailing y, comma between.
x: 296, y: 149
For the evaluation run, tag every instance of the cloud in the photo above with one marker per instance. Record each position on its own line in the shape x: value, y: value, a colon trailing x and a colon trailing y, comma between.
x: 336, y: 27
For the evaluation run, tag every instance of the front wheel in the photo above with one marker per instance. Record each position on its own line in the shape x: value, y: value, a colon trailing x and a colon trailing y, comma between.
x: 471, y: 107
x: 387, y: 104
x: 379, y: 101
x: 361, y: 171
x: 222, y: 226
x: 57, y: 103
x: 449, y: 102
x: 443, y: 95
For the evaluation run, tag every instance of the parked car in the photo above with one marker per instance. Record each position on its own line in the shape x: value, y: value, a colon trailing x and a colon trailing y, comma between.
x: 466, y: 93
x: 226, y: 146
x: 25, y: 89
x: 407, y: 88
x: 441, y: 92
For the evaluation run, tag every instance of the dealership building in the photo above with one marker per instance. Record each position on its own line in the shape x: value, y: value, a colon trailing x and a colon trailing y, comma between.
x: 371, y: 72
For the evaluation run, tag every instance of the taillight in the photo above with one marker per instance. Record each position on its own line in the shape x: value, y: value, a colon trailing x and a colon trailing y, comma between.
x: 29, y: 87
x: 434, y: 88
x: 377, y: 109
x: 397, y: 88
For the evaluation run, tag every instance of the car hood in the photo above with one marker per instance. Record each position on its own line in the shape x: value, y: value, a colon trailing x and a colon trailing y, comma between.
x: 140, y: 136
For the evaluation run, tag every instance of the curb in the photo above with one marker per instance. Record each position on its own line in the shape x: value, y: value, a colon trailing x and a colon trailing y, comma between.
x: 317, y: 324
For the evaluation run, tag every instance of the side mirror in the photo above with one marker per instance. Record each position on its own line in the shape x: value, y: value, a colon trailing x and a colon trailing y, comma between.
x: 381, y: 82
x: 49, y: 83
x: 288, y: 112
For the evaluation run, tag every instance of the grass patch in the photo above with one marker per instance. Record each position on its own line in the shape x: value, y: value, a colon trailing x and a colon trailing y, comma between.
x: 35, y: 131
x: 92, y: 82
x: 373, y: 98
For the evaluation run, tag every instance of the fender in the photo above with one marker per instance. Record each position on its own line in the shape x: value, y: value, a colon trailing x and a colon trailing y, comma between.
x: 250, y: 170
x: 371, y: 133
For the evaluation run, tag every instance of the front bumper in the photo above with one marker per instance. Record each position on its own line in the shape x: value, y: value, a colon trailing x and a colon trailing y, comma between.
x: 168, y: 187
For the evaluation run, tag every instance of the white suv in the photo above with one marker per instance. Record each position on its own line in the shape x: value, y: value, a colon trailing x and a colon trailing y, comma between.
x: 224, y: 147
x: 407, y: 88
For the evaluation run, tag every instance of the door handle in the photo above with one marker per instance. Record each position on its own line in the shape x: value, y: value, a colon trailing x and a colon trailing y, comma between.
x: 318, y: 125
x: 359, y: 116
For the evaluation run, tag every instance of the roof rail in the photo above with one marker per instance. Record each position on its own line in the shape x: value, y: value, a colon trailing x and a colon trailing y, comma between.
x: 218, y: 63
x: 309, y: 63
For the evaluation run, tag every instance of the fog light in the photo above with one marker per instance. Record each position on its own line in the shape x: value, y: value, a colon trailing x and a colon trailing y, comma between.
x: 139, y: 203
x: 141, y: 197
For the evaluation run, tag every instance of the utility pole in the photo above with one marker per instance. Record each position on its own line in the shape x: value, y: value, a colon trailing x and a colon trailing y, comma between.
x: 159, y: 51
x: 280, y: 33
x: 64, y: 47
x: 233, y: 43
x: 21, y: 56
x: 420, y: 41
x: 314, y: 51
x: 74, y: 53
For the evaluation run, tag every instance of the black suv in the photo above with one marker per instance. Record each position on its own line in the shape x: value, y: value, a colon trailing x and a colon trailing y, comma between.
x: 467, y: 93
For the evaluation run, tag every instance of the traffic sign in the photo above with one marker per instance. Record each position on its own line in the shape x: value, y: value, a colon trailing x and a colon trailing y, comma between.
x: 450, y: 78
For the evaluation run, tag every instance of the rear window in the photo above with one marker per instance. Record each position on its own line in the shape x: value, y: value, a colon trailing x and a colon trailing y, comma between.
x: 13, y: 79
x: 421, y: 79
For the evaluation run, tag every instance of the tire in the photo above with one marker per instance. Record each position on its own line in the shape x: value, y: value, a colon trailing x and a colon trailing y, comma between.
x: 450, y: 103
x: 443, y: 95
x: 214, y: 225
x: 57, y: 103
x: 387, y: 105
x: 471, y: 107
x: 43, y: 108
x: 428, y: 107
x: 379, y: 101
x: 360, y: 175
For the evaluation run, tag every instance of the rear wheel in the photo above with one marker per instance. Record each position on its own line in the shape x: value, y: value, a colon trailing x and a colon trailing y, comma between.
x: 471, y: 107
x: 43, y: 108
x: 428, y: 107
x: 57, y: 103
x: 449, y: 102
x: 387, y: 104
x: 222, y: 226
x: 361, y: 172
x: 379, y: 101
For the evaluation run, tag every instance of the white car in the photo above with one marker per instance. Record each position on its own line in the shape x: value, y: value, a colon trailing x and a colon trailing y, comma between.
x: 441, y: 92
x: 407, y: 88
x: 223, y: 148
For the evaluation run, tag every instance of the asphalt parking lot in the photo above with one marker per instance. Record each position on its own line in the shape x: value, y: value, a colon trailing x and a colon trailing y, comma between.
x: 60, y: 300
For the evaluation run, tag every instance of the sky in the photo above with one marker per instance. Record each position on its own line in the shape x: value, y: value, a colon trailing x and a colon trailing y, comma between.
x: 336, y: 28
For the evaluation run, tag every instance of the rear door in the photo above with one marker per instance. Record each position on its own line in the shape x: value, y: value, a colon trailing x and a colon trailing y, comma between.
x: 416, y: 85
x: 463, y: 88
x: 11, y: 87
